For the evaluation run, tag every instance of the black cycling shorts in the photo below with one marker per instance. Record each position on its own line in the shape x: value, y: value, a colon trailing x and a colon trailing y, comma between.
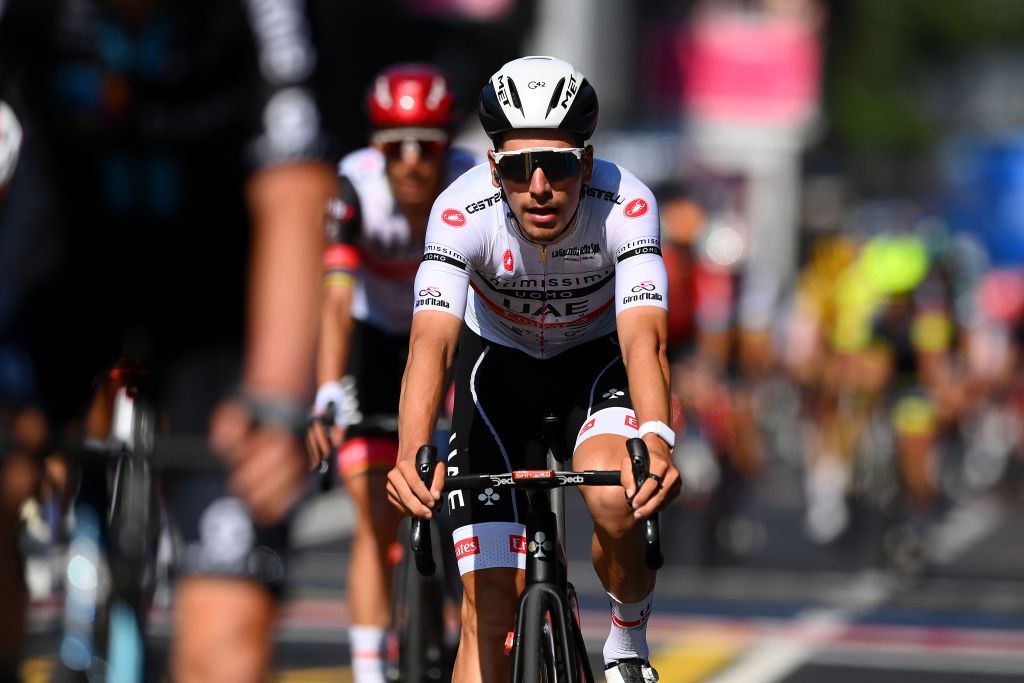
x: 372, y: 386
x: 501, y: 395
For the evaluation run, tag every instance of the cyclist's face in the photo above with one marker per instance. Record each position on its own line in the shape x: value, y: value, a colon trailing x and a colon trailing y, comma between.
x: 543, y: 206
x: 415, y: 170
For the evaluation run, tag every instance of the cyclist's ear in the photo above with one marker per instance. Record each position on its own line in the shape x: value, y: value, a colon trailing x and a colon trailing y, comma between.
x: 588, y: 163
x: 495, y: 178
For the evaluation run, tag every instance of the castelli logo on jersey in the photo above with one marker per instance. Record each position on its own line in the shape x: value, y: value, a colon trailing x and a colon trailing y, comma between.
x: 517, y: 544
x: 453, y: 217
x: 631, y: 422
x: 508, y: 261
x: 468, y: 546
x: 635, y: 209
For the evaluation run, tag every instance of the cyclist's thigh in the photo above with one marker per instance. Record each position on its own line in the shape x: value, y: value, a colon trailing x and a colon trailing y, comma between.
x: 495, y: 427
x: 600, y: 405
x: 372, y: 388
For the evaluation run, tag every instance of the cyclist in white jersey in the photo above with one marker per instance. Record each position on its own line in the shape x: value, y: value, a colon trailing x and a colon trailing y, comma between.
x: 375, y: 230
x: 552, y: 258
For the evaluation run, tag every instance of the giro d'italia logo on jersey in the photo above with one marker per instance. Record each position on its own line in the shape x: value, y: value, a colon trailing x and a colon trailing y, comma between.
x: 644, y: 291
x: 431, y: 296
x: 636, y: 208
x: 453, y: 217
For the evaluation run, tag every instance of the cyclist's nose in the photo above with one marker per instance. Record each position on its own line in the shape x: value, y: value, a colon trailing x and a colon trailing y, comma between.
x: 410, y: 153
x: 539, y: 182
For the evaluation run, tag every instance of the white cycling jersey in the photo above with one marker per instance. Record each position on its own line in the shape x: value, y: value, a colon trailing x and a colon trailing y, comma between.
x: 542, y: 300
x: 367, y: 234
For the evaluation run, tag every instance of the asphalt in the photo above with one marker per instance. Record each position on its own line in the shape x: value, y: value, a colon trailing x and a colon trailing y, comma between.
x: 773, y: 608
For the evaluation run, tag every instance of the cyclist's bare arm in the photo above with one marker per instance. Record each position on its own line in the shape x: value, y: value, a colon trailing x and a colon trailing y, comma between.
x: 643, y: 337
x: 335, y: 329
x: 333, y: 345
x: 432, y: 343
x: 287, y: 208
x: 286, y: 204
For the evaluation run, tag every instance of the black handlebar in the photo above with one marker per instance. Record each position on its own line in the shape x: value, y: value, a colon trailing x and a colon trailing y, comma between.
x: 419, y: 536
x: 652, y: 530
x: 419, y: 541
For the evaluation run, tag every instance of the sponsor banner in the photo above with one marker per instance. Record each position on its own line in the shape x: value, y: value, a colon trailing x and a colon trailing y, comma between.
x: 466, y: 547
x: 517, y: 544
x: 533, y: 474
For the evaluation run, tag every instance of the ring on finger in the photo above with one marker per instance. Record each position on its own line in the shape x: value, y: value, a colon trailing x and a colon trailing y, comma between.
x: 656, y: 477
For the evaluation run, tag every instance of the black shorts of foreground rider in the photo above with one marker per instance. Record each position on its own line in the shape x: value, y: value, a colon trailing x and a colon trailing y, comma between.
x: 501, y: 395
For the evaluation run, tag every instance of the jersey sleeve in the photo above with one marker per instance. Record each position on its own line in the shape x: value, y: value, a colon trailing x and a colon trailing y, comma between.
x: 287, y: 87
x: 453, y: 244
x: 634, y: 237
x: 344, y: 223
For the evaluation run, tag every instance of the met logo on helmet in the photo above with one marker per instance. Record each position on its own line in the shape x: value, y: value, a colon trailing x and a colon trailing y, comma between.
x: 502, y: 95
x: 636, y: 208
x: 570, y: 92
x: 453, y: 217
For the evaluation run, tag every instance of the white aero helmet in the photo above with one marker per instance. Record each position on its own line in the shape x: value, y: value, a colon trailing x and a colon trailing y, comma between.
x: 538, y: 92
x: 10, y: 142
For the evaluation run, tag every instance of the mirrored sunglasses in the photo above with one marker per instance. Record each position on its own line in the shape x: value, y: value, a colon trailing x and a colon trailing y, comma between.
x: 558, y: 163
x: 428, y: 143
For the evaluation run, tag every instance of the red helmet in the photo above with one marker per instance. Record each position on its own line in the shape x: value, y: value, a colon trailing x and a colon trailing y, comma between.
x: 410, y: 95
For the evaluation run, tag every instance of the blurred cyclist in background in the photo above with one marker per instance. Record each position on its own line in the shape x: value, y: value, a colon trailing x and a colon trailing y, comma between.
x: 375, y: 236
x: 719, y: 349
x: 185, y: 146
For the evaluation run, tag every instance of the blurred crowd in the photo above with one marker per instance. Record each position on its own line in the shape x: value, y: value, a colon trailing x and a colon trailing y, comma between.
x: 885, y: 371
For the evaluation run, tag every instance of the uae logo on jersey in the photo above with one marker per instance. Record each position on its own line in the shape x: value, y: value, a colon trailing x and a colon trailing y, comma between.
x: 453, y: 217
x: 508, y: 261
x: 635, y: 209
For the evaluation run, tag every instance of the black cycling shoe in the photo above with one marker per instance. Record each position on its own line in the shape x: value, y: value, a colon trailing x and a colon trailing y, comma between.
x: 632, y: 670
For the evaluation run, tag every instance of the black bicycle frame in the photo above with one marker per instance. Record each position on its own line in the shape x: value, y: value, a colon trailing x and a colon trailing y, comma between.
x: 547, y: 589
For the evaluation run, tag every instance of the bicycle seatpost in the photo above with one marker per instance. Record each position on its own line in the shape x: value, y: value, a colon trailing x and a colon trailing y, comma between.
x: 419, y: 535
x: 652, y: 533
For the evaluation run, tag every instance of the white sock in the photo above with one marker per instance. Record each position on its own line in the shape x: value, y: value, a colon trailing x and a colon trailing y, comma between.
x: 368, y: 649
x: 627, y: 637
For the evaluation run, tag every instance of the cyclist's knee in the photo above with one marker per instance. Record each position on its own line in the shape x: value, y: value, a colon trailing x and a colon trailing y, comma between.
x: 368, y: 493
x: 224, y: 629
x: 490, y: 598
x: 610, y: 510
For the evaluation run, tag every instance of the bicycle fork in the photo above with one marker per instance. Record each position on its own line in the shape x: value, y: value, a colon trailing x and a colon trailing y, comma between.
x: 546, y: 595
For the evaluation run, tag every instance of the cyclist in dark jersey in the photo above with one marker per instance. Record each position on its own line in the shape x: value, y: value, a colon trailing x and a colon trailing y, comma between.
x: 185, y: 144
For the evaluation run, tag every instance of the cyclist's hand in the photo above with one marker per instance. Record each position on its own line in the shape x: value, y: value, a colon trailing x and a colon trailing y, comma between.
x: 321, y: 442
x: 407, y: 492
x: 268, y: 467
x: 653, y: 494
x: 327, y: 427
